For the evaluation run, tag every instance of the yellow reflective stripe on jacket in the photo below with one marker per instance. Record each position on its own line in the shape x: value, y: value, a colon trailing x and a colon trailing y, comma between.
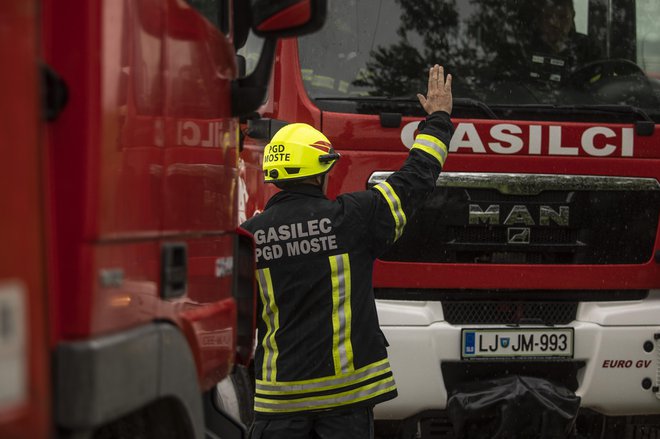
x: 365, y: 373
x: 326, y: 401
x: 395, y: 206
x: 270, y: 315
x: 362, y: 384
x: 342, y: 348
x: 431, y: 145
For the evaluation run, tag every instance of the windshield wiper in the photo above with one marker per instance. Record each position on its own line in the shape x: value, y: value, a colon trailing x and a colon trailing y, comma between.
x: 458, y: 102
x: 404, y: 99
x: 621, y: 109
x: 643, y: 127
x: 372, y: 104
x: 473, y: 103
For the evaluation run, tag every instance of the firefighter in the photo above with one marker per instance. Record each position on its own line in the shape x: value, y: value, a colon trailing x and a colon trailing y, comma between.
x: 557, y: 48
x: 321, y: 360
x: 557, y: 35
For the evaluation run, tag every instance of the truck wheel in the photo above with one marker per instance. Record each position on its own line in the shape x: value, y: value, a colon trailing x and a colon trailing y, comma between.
x: 235, y: 395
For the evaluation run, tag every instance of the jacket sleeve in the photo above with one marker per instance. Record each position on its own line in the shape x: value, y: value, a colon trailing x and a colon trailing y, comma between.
x: 396, y: 199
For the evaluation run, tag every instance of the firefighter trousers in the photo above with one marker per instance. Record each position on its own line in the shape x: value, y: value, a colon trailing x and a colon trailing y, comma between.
x: 357, y: 423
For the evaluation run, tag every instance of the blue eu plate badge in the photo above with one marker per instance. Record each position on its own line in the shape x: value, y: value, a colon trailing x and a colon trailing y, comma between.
x: 469, y: 343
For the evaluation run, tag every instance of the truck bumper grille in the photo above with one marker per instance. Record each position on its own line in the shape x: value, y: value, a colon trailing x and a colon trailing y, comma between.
x: 550, y: 307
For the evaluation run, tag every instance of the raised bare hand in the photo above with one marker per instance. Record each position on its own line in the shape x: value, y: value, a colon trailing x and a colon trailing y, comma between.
x: 438, y: 97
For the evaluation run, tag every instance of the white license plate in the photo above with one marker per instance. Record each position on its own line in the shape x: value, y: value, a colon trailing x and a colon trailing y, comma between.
x: 517, y: 342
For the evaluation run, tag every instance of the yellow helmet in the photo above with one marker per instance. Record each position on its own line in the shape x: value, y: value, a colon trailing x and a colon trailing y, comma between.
x: 297, y: 151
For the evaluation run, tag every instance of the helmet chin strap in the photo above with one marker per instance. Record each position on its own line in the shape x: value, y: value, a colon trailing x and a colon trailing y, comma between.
x: 324, y: 184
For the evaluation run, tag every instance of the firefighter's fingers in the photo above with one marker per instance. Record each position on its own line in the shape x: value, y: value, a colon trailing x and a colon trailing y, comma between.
x: 449, y: 100
x: 441, y: 76
x: 438, y: 97
x: 422, y: 99
x: 433, y: 79
x: 448, y: 83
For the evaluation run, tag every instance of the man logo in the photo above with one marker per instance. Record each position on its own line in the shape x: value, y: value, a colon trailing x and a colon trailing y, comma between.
x: 519, y: 215
x: 518, y: 235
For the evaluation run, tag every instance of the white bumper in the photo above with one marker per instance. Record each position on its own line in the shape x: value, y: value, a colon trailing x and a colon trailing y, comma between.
x: 609, y: 339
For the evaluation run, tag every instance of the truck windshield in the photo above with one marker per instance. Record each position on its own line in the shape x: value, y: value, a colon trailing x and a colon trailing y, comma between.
x: 502, y: 53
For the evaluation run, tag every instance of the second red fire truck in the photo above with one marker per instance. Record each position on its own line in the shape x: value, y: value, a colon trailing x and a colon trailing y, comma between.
x: 538, y: 253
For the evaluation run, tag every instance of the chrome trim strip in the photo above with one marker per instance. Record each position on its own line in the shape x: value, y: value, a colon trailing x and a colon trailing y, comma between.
x: 534, y: 184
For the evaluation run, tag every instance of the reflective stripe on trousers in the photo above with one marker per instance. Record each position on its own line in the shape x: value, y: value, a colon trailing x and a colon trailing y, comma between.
x: 359, y: 385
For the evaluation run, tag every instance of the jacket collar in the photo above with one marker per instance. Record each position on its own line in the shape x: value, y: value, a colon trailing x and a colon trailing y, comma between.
x: 294, y: 192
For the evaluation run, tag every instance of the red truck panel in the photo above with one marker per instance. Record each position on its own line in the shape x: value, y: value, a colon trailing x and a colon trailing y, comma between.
x: 144, y: 154
x: 24, y: 360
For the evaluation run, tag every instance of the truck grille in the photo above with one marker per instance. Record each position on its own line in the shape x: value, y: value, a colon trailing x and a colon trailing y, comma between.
x: 532, y: 219
x: 509, y: 313
x: 547, y: 307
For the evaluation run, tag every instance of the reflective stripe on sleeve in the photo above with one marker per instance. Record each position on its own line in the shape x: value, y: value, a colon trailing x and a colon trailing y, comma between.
x: 395, y: 207
x: 432, y: 146
x: 270, y: 315
x: 342, y: 348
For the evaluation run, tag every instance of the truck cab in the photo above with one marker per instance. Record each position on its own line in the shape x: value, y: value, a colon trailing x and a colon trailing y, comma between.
x: 127, y: 287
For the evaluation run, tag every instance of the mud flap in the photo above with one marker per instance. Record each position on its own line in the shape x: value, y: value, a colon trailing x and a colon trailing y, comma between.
x: 512, y: 407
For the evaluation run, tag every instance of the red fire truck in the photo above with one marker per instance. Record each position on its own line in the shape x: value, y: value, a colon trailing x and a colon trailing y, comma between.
x: 538, y: 253
x: 126, y: 287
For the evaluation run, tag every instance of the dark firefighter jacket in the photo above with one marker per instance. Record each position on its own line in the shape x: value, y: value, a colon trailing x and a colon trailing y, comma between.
x: 319, y: 343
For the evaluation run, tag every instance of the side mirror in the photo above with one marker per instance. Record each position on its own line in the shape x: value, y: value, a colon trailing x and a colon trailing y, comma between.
x: 271, y: 19
x: 287, y: 18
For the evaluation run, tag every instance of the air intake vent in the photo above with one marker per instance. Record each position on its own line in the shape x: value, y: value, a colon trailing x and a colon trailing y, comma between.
x: 509, y: 313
